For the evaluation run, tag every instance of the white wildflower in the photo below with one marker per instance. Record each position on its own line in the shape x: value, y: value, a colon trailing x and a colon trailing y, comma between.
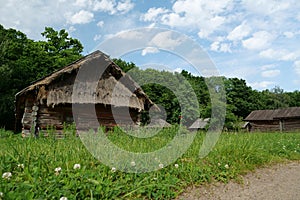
x: 57, y: 171
x: 113, y: 169
x: 219, y: 164
x: 76, y: 166
x: 63, y: 198
x: 21, y: 166
x: 132, y: 163
x: 226, y: 166
x: 7, y: 175
x: 176, y: 165
x: 1, y: 194
x: 161, y: 165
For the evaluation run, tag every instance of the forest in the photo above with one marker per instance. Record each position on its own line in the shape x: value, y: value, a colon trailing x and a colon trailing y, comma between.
x: 23, y: 61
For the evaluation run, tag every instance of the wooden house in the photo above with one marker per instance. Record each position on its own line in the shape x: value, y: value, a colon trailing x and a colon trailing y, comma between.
x: 199, y: 124
x: 49, y: 101
x: 284, y: 119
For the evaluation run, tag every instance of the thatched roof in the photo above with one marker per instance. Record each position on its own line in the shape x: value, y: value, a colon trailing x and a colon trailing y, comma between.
x: 199, y: 123
x: 114, y: 87
x: 269, y: 115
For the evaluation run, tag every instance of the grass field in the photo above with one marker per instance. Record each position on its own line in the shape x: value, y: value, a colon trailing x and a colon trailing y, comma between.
x: 45, y: 168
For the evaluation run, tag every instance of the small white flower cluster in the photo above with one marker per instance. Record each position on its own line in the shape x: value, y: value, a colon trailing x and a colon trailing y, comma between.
x: 6, y: 175
x: 161, y: 165
x: 1, y: 194
x: 77, y: 166
x: 21, y: 166
x: 63, y: 198
x: 226, y: 165
x: 176, y: 165
x: 132, y: 164
x: 57, y: 171
x: 113, y: 169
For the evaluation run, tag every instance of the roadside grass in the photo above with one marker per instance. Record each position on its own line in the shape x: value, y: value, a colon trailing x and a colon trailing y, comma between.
x: 32, y: 163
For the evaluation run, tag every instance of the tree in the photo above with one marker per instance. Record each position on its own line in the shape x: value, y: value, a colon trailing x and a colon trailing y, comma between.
x: 23, y: 61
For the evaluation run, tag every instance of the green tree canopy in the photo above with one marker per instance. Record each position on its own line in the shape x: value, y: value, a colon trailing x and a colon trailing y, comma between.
x: 23, y: 61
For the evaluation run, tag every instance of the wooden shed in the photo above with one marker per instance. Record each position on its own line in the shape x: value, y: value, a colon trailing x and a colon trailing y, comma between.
x: 284, y: 119
x: 48, y: 102
x: 199, y: 124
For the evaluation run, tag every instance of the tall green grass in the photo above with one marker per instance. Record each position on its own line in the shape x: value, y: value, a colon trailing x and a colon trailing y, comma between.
x: 233, y: 155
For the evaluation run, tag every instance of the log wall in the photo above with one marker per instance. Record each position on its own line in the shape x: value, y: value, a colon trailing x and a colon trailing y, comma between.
x: 292, y: 124
x: 56, y: 117
x: 265, y: 126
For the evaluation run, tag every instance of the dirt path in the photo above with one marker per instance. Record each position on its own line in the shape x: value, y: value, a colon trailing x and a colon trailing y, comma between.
x: 279, y: 182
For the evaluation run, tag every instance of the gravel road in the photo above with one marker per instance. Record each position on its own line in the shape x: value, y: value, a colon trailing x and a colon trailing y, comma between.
x: 278, y: 182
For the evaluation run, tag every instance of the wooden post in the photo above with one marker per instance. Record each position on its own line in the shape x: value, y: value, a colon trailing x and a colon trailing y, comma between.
x: 281, y: 126
x: 34, y: 127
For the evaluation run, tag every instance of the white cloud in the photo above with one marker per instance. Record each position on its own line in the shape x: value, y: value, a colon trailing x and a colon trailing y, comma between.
x: 166, y: 40
x: 262, y: 84
x: 215, y: 46
x: 97, y: 37
x: 267, y: 67
x: 289, y: 34
x: 178, y: 70
x: 130, y: 35
x: 281, y: 55
x: 239, y: 32
x: 100, y: 24
x: 113, y: 7
x: 270, y: 73
x: 148, y: 50
x: 259, y: 40
x: 125, y: 6
x: 153, y: 13
x: 71, y: 29
x: 297, y: 67
x: 81, y: 17
x: 204, y: 16
x: 264, y: 7
x: 220, y: 47
x: 298, y: 17
x: 83, y: 3
x: 105, y: 6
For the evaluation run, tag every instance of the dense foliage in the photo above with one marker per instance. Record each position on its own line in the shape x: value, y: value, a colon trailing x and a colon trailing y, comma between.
x: 23, y: 61
x: 241, y: 99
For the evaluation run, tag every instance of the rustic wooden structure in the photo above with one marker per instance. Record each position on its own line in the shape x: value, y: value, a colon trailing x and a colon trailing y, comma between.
x: 284, y: 119
x: 199, y: 124
x: 48, y: 102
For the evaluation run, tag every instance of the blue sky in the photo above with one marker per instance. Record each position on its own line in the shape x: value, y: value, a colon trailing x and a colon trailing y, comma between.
x: 254, y: 40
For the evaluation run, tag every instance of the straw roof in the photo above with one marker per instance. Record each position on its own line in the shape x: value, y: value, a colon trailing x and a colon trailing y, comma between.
x: 114, y: 87
x: 199, y: 123
x: 269, y: 115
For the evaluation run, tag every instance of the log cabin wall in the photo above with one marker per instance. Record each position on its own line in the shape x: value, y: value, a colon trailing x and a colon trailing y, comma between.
x: 56, y: 117
x: 292, y: 124
x: 264, y: 126
x: 28, y: 119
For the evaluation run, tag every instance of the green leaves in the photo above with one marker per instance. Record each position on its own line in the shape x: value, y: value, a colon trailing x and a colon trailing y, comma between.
x: 23, y: 61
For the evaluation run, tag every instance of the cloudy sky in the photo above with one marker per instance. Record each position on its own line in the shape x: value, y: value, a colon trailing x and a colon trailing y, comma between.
x: 254, y: 40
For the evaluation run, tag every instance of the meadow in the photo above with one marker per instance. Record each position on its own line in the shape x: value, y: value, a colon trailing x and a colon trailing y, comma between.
x: 50, y: 168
